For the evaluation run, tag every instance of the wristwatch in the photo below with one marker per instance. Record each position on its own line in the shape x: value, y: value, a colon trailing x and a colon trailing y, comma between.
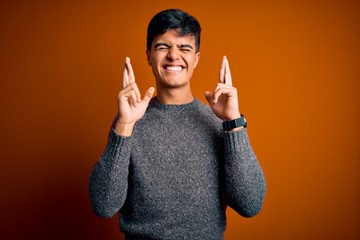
x: 239, y: 122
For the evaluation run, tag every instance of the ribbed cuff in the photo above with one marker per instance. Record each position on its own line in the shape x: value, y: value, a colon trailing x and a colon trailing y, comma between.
x: 237, y: 141
x: 116, y: 143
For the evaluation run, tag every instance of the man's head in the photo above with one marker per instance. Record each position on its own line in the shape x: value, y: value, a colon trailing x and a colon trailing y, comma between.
x: 173, y: 43
x: 163, y: 21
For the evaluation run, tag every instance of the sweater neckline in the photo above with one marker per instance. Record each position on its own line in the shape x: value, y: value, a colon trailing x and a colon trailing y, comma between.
x: 155, y: 103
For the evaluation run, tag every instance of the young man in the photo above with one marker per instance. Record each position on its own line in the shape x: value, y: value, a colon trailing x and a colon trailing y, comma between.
x: 172, y: 164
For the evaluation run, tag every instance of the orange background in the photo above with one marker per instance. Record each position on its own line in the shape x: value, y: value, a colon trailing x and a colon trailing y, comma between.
x: 295, y: 64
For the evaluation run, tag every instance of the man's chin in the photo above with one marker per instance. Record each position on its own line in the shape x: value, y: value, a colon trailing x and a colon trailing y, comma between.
x: 174, y: 83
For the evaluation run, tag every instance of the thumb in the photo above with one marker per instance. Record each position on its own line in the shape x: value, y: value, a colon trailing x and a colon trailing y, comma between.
x: 208, y: 96
x: 149, y: 93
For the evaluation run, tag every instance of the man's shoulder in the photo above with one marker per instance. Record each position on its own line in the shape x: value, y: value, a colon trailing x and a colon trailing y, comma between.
x: 205, y: 108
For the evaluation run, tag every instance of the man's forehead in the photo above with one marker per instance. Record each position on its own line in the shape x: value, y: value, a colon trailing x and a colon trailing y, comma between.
x: 174, y: 35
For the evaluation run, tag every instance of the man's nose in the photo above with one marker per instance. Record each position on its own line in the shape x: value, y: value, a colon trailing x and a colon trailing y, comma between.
x: 173, y: 53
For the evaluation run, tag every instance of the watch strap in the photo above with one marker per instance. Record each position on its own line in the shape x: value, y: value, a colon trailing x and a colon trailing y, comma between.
x: 239, y: 122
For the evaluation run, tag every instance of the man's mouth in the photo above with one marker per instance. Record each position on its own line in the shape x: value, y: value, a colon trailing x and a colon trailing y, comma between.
x: 172, y: 68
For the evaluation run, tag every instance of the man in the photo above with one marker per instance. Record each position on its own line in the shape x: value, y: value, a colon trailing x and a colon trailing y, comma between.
x: 172, y: 164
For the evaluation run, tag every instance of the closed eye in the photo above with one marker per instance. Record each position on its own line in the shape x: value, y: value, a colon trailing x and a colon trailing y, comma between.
x: 185, y: 49
x: 161, y: 47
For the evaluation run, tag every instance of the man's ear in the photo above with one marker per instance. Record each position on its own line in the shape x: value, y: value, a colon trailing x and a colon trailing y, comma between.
x: 148, y: 57
x: 197, y: 58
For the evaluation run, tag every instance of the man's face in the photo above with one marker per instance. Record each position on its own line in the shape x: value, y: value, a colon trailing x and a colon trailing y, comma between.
x: 173, y: 59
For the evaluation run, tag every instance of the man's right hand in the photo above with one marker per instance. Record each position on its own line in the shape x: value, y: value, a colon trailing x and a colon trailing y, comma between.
x: 131, y: 106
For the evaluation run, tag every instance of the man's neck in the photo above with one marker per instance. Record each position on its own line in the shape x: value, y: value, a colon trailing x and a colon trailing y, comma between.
x: 174, y: 96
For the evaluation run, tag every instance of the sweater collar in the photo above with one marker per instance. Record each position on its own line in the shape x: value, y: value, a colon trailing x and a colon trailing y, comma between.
x: 154, y: 102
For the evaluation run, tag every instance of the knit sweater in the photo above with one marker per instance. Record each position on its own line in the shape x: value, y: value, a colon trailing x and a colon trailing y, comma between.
x: 175, y: 175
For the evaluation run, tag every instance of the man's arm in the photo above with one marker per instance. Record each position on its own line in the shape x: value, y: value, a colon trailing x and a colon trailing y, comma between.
x: 244, y: 180
x: 245, y: 185
x: 109, y: 179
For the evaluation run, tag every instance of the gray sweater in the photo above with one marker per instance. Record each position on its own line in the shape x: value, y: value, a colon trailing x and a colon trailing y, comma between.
x: 174, y: 177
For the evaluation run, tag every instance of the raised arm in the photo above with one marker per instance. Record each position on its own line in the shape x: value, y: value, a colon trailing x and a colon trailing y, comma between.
x: 109, y: 179
x: 245, y: 186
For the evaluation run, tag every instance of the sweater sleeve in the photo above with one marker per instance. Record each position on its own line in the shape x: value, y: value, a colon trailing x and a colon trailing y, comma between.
x: 108, y: 181
x: 245, y: 185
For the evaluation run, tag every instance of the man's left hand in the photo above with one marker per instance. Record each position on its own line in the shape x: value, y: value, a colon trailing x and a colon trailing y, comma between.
x: 224, y: 99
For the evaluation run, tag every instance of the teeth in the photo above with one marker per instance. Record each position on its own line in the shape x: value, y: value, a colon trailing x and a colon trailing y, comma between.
x: 174, y: 68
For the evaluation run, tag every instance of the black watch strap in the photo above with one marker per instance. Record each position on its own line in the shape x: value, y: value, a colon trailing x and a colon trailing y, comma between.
x: 239, y: 122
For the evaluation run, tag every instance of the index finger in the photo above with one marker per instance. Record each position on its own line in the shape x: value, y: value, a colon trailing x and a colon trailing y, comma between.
x: 228, y: 79
x: 125, y: 77
x: 128, y: 73
x: 222, y: 71
x: 130, y: 70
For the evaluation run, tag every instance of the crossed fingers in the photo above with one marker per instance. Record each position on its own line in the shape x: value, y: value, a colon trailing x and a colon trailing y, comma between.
x: 224, y: 85
x: 128, y: 74
x: 130, y: 90
x: 225, y: 74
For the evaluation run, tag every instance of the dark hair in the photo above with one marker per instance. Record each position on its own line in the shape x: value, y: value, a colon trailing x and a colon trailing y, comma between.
x: 173, y: 19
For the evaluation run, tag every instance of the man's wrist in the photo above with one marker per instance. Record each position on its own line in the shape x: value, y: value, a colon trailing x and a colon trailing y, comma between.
x: 232, y: 117
x: 235, y: 124
x: 124, y: 129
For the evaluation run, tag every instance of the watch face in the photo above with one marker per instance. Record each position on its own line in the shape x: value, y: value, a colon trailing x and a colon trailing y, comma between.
x: 244, y: 120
